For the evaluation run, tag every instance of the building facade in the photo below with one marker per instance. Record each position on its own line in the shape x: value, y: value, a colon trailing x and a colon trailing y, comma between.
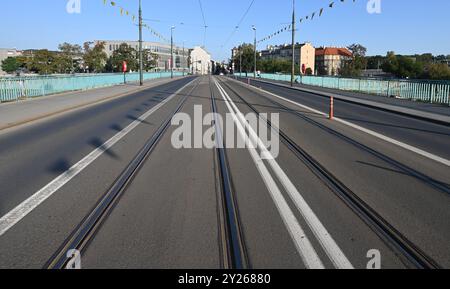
x: 162, y: 50
x: 200, y: 61
x: 5, y: 53
x: 330, y: 60
x: 304, y: 55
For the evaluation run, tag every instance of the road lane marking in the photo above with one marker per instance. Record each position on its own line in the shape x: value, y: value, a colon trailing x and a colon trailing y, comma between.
x: 418, y: 151
x: 27, y: 206
x: 333, y: 251
x: 331, y: 248
x: 301, y: 241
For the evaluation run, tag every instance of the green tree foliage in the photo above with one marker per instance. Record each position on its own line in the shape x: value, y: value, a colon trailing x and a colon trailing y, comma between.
x: 354, y: 67
x: 438, y: 71
x: 403, y: 66
x: 10, y: 65
x: 124, y: 53
x: 95, y: 57
x: 43, y: 62
x: 150, y: 60
x: 248, y: 58
x: 70, y: 57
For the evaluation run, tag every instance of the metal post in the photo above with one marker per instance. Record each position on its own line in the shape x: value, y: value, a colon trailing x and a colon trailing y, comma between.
x: 293, y: 44
x: 240, y: 61
x: 141, y: 62
x: 171, y: 52
x: 184, y: 57
x: 254, y: 73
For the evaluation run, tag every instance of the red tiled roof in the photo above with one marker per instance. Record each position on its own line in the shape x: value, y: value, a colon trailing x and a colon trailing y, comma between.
x: 333, y: 51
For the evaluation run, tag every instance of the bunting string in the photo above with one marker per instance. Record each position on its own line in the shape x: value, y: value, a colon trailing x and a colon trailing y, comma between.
x: 124, y: 12
x: 309, y: 17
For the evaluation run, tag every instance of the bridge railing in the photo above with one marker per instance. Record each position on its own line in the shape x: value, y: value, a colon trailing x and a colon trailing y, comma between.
x: 417, y: 90
x: 15, y: 88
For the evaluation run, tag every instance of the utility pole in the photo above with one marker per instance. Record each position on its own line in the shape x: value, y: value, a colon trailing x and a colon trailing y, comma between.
x: 171, y: 51
x: 293, y: 44
x: 240, y: 61
x: 254, y: 29
x: 185, y: 60
x: 141, y: 62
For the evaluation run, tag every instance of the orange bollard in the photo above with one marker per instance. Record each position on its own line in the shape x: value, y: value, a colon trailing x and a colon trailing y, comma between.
x: 331, y: 116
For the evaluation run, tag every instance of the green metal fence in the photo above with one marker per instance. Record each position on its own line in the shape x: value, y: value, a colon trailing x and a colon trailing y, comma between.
x: 15, y: 88
x: 425, y: 91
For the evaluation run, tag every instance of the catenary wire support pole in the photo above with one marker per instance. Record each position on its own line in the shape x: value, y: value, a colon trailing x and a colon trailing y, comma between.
x: 240, y: 60
x: 184, y: 57
x: 171, y: 51
x: 141, y: 62
x: 254, y: 29
x: 293, y: 44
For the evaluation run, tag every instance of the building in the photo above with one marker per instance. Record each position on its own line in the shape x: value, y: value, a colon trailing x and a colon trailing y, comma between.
x: 201, y: 61
x: 330, y: 60
x: 180, y: 54
x: 7, y: 52
x: 304, y: 55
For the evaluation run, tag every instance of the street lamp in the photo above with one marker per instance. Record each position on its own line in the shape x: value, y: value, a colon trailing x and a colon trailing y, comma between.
x: 254, y: 29
x: 141, y: 62
x: 293, y: 45
x: 171, y: 51
x: 240, y: 60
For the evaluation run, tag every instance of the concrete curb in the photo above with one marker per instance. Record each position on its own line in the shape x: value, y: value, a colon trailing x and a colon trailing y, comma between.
x: 442, y: 119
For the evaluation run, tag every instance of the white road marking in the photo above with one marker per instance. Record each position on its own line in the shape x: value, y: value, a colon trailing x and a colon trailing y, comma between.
x: 301, y: 241
x: 27, y: 206
x: 333, y: 251
x: 367, y: 131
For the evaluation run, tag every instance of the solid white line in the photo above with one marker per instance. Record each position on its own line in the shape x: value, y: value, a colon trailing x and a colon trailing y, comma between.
x: 301, y: 241
x: 333, y: 251
x: 367, y: 131
x: 27, y: 206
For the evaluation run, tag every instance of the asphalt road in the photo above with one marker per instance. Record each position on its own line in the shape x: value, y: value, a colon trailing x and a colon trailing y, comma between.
x: 169, y: 215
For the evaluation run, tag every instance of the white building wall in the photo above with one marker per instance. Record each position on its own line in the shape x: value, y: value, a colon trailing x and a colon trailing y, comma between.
x: 200, y: 61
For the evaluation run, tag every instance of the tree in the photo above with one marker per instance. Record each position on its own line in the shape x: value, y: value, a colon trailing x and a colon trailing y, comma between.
x: 354, y: 67
x: 70, y: 56
x: 10, y: 65
x: 124, y: 53
x: 403, y: 66
x: 438, y: 71
x: 248, y: 58
x: 358, y: 50
x: 150, y: 60
x: 95, y: 57
x: 43, y: 62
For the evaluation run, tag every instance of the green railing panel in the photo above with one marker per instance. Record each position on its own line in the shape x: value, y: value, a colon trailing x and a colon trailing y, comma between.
x: 14, y: 88
x: 417, y: 90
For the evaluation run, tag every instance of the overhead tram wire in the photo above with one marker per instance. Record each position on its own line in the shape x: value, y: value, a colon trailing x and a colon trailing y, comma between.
x: 239, y: 23
x: 204, y: 21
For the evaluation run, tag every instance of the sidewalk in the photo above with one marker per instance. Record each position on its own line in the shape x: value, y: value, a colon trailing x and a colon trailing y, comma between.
x: 16, y: 113
x: 428, y: 111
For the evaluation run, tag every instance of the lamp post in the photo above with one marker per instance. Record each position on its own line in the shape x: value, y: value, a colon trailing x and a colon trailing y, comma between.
x: 254, y: 29
x: 185, y: 60
x: 240, y: 60
x: 293, y: 44
x: 141, y: 63
x: 171, y: 51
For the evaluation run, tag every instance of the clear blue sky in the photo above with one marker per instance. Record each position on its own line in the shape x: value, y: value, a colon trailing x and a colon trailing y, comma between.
x: 404, y: 26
